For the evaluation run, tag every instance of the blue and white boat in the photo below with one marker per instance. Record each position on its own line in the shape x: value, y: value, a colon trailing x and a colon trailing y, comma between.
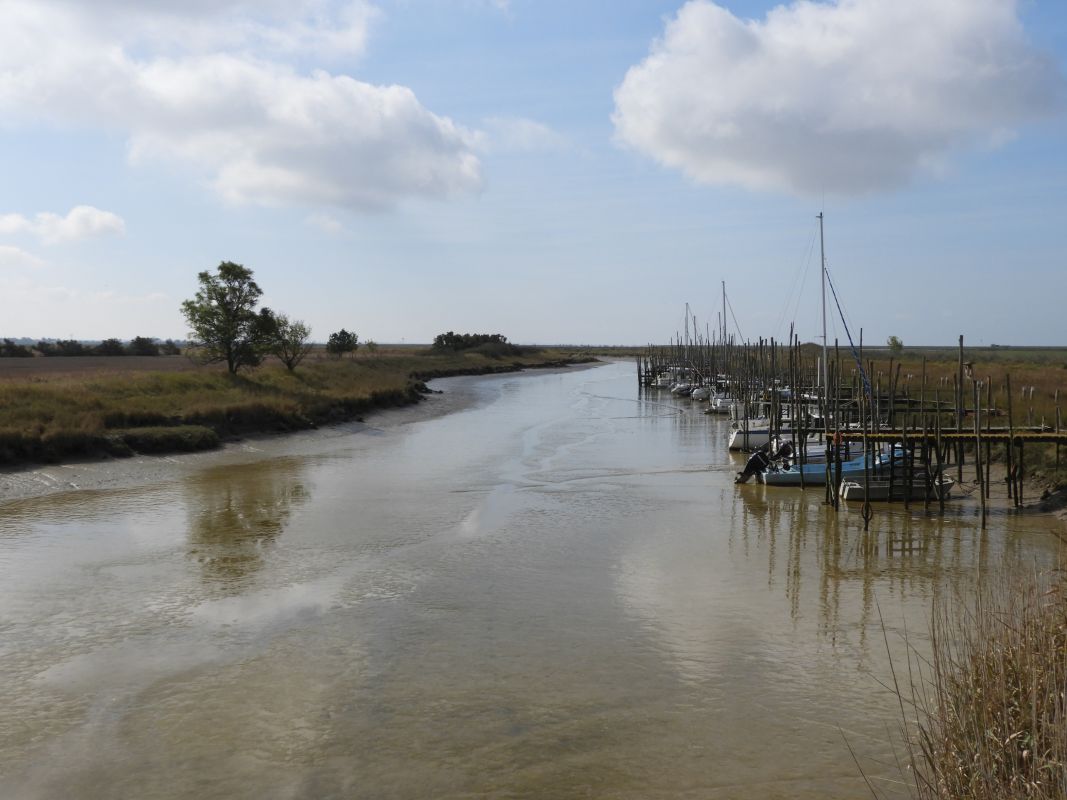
x: 814, y: 472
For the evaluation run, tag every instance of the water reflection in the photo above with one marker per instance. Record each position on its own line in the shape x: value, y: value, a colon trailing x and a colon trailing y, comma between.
x: 237, y: 513
x: 908, y: 554
x: 561, y: 593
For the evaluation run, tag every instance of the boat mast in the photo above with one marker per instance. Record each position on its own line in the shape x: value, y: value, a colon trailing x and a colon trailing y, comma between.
x: 724, y: 313
x: 825, y: 363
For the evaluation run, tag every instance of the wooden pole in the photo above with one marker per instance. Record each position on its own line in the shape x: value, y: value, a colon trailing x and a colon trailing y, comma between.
x: 988, y: 428
x: 978, y: 450
x: 959, y: 412
x: 1011, y: 447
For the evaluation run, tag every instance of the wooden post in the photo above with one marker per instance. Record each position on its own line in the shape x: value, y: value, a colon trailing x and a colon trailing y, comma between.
x: 867, y: 513
x: 1011, y: 446
x: 1019, y: 472
x: 1057, y: 430
x: 937, y: 448
x: 959, y: 413
x: 988, y: 428
x: 978, y: 450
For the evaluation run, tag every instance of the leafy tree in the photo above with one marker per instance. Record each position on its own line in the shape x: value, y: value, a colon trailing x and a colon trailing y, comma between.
x: 466, y: 341
x: 11, y: 349
x: 69, y: 347
x: 224, y: 323
x: 46, y: 348
x: 896, y: 347
x: 342, y: 342
x: 110, y: 347
x: 143, y: 346
x: 170, y: 348
x: 292, y: 340
x: 372, y: 347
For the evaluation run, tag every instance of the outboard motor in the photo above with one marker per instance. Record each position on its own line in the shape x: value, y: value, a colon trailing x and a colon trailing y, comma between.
x: 756, y: 464
x: 783, y: 454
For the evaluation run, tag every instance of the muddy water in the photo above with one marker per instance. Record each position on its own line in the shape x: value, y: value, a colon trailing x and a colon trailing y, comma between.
x: 555, y: 593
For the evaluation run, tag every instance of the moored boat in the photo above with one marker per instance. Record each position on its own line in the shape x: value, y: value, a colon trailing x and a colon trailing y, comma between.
x: 881, y: 489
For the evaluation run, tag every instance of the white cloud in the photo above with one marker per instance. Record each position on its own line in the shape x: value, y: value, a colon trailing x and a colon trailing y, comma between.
x: 848, y: 96
x: 323, y: 28
x: 80, y: 222
x: 521, y: 135
x: 13, y: 257
x: 83, y: 313
x: 208, y: 86
x: 325, y: 223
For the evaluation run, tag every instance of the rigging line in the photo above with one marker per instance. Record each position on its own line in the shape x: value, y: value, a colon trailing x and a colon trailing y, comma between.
x: 740, y: 336
x: 846, y: 317
x: 797, y: 276
x: 851, y: 344
x: 804, y: 282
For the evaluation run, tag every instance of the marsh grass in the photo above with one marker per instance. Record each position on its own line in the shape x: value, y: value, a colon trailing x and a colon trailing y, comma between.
x: 990, y: 717
x: 46, y: 417
x: 1038, y: 388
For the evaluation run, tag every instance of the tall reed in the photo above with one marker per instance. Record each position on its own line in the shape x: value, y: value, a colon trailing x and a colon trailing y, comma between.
x: 991, y: 712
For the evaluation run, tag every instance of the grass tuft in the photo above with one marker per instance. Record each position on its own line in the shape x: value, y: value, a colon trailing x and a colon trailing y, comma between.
x: 992, y: 714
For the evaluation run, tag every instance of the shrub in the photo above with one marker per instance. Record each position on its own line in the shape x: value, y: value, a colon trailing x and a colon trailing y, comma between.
x: 495, y: 349
x: 342, y: 342
x: 143, y: 346
x: 9, y: 349
x: 69, y: 347
x: 455, y: 342
x: 110, y: 347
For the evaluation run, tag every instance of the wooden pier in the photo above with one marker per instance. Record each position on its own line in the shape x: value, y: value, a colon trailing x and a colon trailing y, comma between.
x: 937, y: 422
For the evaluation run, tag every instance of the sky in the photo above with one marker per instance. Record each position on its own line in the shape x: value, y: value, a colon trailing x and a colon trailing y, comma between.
x: 560, y: 172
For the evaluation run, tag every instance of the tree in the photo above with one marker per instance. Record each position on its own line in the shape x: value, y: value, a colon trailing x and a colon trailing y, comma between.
x: 69, y: 347
x: 292, y: 340
x: 12, y: 349
x: 466, y: 341
x: 224, y: 323
x: 342, y: 342
x: 144, y: 346
x: 170, y: 348
x: 110, y: 347
x: 372, y: 347
x: 896, y: 347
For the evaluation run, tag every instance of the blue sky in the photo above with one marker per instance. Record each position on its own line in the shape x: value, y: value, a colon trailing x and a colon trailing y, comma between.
x: 558, y: 172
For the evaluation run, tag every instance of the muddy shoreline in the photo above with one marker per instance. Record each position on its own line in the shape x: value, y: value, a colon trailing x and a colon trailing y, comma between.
x: 448, y: 395
x: 26, y: 481
x: 448, y: 392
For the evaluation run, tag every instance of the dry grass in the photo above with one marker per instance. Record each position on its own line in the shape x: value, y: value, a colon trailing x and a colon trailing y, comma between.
x: 992, y: 715
x: 1038, y: 392
x: 54, y: 413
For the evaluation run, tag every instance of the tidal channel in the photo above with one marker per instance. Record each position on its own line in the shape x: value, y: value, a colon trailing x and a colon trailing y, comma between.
x: 556, y: 592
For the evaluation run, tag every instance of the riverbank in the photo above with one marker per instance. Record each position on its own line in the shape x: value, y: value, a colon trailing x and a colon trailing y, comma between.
x: 90, y: 474
x: 113, y: 411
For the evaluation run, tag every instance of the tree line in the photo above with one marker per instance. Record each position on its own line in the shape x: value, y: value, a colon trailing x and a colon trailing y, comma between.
x: 138, y: 346
x: 226, y: 325
x: 455, y: 342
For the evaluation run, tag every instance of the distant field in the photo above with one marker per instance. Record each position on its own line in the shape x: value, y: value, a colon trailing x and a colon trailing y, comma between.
x: 1052, y: 356
x: 23, y: 368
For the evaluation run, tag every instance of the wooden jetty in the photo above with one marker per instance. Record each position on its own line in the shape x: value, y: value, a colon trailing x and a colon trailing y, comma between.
x: 935, y: 423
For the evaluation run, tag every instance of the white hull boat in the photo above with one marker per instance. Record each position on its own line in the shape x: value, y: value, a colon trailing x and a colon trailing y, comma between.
x: 879, y: 489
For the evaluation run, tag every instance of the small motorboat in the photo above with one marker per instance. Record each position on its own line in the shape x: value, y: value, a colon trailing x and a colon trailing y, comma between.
x: 879, y: 489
